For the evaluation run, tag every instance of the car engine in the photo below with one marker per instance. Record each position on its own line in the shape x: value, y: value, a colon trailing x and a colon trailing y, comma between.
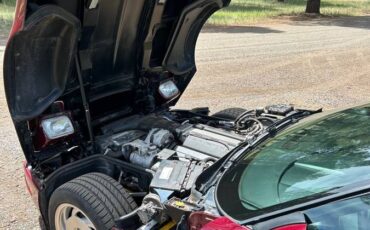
x: 188, y: 142
x: 177, y: 146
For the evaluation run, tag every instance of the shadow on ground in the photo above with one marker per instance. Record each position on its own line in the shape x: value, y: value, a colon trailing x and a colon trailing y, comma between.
x: 239, y: 7
x: 240, y: 29
x: 361, y: 22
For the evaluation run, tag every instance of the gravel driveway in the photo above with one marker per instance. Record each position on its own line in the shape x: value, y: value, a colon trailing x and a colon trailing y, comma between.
x: 319, y: 63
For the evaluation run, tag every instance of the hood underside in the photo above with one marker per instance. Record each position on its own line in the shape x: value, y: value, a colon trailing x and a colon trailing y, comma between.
x: 123, y: 48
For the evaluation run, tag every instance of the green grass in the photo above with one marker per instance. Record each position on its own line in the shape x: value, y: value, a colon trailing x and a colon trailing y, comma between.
x: 6, y: 15
x: 252, y: 11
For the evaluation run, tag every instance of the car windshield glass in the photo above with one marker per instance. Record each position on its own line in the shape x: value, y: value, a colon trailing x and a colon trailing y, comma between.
x: 352, y: 213
x: 302, y: 163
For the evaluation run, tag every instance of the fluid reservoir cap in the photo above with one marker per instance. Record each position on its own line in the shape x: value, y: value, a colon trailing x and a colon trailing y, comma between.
x: 180, y: 204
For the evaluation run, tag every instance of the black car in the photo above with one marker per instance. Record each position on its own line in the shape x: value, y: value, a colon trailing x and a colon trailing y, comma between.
x: 90, y: 85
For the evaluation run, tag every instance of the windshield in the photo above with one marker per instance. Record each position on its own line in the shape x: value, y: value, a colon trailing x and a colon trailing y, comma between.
x: 300, y: 164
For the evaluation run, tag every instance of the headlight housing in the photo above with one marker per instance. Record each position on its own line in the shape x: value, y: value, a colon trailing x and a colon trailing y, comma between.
x: 56, y: 127
x: 168, y: 90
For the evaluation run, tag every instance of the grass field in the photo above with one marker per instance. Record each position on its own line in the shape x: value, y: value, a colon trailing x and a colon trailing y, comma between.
x: 252, y: 11
x: 6, y: 15
x: 248, y: 11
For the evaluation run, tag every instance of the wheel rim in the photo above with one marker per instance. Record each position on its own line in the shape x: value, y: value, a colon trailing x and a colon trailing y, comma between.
x: 69, y: 217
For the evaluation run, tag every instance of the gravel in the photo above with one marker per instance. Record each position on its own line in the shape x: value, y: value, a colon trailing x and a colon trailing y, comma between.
x: 319, y: 63
x: 311, y: 64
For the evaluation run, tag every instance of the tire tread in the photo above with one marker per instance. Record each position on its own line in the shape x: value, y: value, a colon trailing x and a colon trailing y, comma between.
x: 108, y: 199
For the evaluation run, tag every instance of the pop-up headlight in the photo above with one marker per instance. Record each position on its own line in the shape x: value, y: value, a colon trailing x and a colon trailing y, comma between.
x: 168, y: 90
x: 57, y: 127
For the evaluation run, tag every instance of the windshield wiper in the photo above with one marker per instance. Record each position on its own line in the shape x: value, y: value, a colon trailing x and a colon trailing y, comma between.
x: 292, y: 118
x: 244, y: 201
x: 319, y: 169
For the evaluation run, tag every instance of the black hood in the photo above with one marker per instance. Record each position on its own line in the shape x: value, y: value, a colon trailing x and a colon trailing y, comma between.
x: 124, y: 49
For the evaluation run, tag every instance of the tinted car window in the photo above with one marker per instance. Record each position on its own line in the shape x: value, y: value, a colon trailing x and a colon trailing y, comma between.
x: 300, y: 164
x: 347, y: 214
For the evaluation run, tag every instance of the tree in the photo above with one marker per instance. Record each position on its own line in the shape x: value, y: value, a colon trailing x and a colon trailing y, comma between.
x: 313, y: 6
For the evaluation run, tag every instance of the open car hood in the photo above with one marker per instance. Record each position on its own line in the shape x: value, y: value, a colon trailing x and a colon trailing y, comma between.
x: 124, y: 50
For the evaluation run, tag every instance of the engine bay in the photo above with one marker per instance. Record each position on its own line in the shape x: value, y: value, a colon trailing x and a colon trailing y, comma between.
x: 147, y: 141
x: 176, y: 147
x: 187, y: 142
x: 183, y: 135
x: 173, y: 147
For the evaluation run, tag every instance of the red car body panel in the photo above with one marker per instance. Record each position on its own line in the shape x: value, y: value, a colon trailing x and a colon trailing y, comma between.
x: 19, y: 17
x: 31, y: 185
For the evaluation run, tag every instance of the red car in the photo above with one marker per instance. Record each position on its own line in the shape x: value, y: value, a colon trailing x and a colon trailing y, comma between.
x: 90, y: 85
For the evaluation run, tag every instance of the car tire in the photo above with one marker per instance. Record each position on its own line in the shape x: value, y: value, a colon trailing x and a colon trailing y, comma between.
x: 95, y: 199
x: 230, y: 113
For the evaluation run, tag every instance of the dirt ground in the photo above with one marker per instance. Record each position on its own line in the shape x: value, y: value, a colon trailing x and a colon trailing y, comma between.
x: 314, y: 63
